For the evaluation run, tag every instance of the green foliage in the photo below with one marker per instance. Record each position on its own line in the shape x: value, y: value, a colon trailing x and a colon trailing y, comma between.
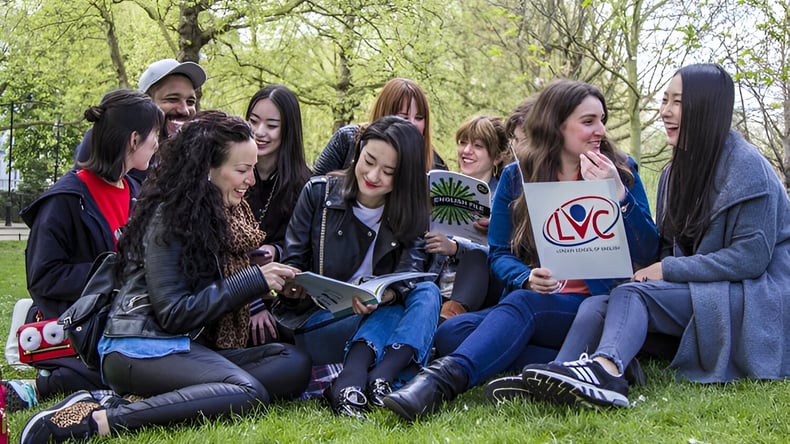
x: 471, y: 57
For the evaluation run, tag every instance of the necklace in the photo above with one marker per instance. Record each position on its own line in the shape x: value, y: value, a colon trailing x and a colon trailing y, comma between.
x: 269, y: 200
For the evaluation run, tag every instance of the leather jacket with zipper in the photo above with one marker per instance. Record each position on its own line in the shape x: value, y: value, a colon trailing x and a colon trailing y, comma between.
x: 157, y: 302
x: 345, y: 238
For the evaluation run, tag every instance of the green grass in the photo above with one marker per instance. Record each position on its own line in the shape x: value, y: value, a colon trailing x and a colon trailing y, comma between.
x: 665, y: 411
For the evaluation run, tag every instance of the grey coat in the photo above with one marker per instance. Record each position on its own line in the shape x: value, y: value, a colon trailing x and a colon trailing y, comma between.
x: 739, y: 275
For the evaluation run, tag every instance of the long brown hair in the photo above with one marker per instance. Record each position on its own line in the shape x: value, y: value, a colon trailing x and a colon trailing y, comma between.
x: 540, y: 163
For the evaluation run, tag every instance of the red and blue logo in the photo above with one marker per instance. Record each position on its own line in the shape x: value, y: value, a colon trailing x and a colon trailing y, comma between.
x: 581, y: 220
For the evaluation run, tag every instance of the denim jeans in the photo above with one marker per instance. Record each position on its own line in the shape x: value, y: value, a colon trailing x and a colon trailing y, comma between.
x: 412, y: 323
x: 525, y: 327
x: 616, y: 326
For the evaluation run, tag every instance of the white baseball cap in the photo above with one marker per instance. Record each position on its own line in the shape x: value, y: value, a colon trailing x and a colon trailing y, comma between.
x: 158, y: 70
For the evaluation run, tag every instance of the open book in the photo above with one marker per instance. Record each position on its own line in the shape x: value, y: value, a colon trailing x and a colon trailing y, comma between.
x: 336, y: 296
x: 457, y: 202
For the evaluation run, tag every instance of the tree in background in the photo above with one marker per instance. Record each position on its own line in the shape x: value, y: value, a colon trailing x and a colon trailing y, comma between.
x: 471, y: 57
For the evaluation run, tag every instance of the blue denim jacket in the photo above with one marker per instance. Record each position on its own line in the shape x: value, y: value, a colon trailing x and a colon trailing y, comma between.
x: 643, y: 240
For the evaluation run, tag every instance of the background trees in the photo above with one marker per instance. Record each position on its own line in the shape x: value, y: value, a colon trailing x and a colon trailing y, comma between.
x: 471, y: 56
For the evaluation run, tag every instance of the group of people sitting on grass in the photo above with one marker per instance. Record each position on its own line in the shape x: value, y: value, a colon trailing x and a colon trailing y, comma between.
x: 213, y: 230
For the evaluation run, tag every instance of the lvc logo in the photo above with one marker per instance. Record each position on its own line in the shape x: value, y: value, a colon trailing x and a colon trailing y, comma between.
x: 581, y: 221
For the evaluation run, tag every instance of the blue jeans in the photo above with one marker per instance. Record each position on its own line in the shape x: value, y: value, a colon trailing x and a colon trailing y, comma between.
x: 616, y: 326
x: 413, y: 323
x: 525, y: 327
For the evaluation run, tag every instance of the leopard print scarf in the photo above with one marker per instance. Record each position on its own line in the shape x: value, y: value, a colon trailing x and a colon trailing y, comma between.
x: 233, y: 328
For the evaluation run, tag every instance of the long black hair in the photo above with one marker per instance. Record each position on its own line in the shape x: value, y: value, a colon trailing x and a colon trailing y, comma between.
x: 707, y: 101
x: 192, y: 208
x: 407, y: 206
x: 291, y: 164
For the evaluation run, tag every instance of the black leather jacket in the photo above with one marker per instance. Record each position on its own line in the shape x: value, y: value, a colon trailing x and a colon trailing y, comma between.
x: 347, y: 238
x: 155, y: 300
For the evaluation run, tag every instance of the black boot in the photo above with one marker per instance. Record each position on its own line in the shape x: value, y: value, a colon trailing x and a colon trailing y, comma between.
x: 441, y: 381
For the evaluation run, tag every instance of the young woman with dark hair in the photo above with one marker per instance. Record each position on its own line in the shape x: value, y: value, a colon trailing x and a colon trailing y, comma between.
x: 721, y: 285
x: 399, y: 97
x: 567, y: 141
x: 79, y: 218
x: 368, y: 221
x: 280, y: 174
x: 184, y: 264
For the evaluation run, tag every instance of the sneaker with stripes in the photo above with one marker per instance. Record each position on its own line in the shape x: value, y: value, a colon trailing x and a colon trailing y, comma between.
x: 584, y: 382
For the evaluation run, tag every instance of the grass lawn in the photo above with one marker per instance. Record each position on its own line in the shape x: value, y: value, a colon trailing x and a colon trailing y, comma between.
x: 664, y: 411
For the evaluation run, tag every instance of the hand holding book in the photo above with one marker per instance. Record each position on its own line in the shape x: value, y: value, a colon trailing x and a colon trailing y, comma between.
x: 362, y: 308
x: 341, y: 297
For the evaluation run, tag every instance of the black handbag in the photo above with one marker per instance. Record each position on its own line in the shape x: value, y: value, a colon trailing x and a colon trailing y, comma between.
x: 85, y: 320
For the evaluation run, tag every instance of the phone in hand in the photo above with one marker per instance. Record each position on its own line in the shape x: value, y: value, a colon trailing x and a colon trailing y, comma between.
x: 260, y: 257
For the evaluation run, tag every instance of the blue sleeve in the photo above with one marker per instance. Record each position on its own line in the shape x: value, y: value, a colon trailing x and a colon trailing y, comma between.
x: 504, y: 264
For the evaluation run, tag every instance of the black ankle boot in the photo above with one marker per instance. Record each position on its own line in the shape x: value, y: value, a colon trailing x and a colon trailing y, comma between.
x: 441, y: 381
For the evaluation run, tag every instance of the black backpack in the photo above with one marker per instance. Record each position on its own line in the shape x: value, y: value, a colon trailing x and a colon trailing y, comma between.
x: 85, y: 320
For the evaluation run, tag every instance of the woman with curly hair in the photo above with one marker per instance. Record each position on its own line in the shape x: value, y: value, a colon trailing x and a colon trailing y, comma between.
x: 184, y: 264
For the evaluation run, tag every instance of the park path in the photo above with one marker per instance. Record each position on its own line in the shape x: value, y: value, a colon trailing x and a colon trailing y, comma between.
x: 17, y: 231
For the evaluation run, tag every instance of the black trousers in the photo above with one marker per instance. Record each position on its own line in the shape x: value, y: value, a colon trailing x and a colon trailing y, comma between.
x: 203, y: 382
x: 65, y: 375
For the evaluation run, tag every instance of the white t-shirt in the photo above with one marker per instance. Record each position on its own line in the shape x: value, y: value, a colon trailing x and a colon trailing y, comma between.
x: 371, y: 217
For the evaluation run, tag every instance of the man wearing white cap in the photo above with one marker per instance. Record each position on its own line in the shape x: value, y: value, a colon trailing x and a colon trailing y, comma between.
x: 171, y: 85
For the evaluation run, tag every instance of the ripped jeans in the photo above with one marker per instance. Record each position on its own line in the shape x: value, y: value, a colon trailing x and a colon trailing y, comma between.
x: 412, y: 323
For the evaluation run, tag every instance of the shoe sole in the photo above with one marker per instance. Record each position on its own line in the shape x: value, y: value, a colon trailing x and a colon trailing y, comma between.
x: 561, y: 389
x: 507, y: 388
x: 73, y: 399
x: 13, y: 402
x: 396, y: 408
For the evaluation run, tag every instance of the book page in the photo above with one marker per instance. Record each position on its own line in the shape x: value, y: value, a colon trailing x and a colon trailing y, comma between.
x: 337, y: 296
x: 457, y: 202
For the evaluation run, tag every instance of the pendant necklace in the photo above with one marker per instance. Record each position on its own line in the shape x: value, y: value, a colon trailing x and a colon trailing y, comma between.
x: 269, y: 200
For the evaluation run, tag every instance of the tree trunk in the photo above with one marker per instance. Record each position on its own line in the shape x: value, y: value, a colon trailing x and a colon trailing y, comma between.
x: 112, y: 43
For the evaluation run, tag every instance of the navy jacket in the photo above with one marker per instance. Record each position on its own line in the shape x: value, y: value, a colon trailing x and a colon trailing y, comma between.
x: 67, y: 232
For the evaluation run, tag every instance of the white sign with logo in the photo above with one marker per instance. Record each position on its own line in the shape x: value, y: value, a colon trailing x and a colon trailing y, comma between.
x: 578, y: 229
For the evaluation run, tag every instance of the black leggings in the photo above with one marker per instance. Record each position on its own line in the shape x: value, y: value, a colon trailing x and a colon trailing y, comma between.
x: 203, y: 382
x: 65, y: 375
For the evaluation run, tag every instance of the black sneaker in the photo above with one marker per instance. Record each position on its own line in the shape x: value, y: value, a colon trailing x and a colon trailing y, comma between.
x: 506, y: 388
x: 20, y: 395
x: 351, y: 401
x: 109, y: 399
x: 377, y: 390
x: 583, y: 382
x: 68, y: 419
